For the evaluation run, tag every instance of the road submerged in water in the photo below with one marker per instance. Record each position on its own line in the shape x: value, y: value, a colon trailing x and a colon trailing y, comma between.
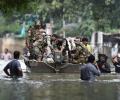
x: 35, y: 86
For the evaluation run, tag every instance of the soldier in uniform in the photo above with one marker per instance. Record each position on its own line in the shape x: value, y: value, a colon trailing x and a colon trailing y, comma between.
x: 30, y: 40
x: 81, y: 53
x: 56, y: 48
x: 78, y: 55
x: 36, y: 41
x: 39, y: 43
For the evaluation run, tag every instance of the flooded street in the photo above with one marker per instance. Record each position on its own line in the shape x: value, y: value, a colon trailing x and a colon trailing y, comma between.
x: 59, y: 87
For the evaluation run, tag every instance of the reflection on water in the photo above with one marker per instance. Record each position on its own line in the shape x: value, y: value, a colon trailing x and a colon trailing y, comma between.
x: 60, y: 87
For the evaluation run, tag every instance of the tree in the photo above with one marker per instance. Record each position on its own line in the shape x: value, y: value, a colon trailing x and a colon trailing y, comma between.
x: 90, y: 15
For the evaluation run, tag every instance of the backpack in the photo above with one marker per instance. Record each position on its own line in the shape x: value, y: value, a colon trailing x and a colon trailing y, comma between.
x: 58, y: 57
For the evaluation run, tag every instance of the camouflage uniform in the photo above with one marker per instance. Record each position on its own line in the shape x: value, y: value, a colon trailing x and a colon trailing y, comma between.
x: 80, y: 55
x: 36, y: 43
x: 31, y: 40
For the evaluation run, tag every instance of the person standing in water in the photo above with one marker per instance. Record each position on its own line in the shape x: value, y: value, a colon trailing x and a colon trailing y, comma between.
x: 6, y: 55
x: 14, y: 66
x: 90, y: 70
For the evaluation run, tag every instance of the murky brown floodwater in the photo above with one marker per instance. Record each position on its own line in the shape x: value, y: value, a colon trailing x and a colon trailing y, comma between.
x: 60, y: 87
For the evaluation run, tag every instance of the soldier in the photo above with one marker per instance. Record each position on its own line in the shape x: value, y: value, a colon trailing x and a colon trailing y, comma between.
x: 29, y: 41
x: 56, y: 48
x: 39, y: 45
x: 77, y: 54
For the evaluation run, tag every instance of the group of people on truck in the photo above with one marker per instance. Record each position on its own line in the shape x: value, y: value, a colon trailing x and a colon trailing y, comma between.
x: 54, y: 48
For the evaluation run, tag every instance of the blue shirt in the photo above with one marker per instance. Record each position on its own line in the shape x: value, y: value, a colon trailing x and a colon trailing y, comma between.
x: 14, y: 67
x: 89, y: 70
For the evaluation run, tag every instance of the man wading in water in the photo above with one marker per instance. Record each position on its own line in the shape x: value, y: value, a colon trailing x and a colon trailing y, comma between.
x: 89, y: 71
x: 14, y: 67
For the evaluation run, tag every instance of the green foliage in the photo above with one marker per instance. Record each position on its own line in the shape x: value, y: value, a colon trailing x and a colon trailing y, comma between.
x: 95, y: 15
x: 2, y: 20
x: 13, y: 27
x: 87, y: 27
x: 74, y: 31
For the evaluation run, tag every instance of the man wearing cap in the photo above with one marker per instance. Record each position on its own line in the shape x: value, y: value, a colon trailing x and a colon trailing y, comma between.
x: 116, y: 63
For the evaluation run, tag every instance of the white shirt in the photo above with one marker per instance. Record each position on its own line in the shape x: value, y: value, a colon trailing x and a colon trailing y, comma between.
x: 6, y: 56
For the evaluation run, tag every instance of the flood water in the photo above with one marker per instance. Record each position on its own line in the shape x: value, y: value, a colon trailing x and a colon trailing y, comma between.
x: 36, y: 86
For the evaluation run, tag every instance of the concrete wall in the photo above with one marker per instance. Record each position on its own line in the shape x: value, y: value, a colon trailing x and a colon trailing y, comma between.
x: 12, y: 44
